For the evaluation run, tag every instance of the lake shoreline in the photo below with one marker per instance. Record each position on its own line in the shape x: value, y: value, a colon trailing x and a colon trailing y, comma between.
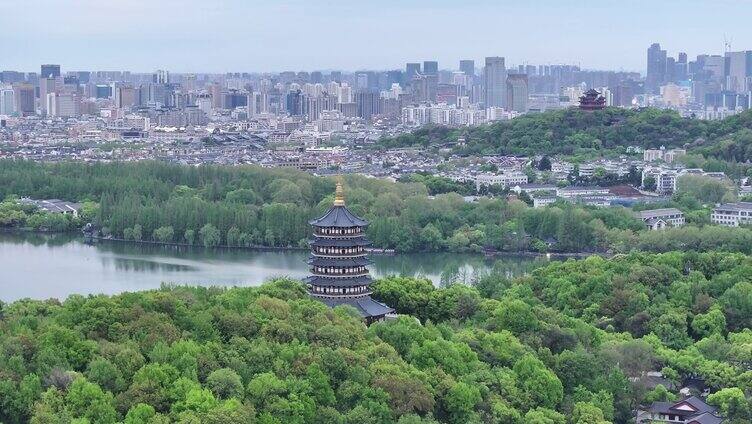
x: 380, y: 252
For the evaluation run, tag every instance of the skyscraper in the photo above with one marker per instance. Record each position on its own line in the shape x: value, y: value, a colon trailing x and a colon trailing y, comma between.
x: 411, y: 70
x: 24, y: 96
x: 517, y: 92
x: 739, y: 71
x: 49, y: 71
x: 495, y: 82
x: 467, y: 66
x: 656, y: 70
x: 7, y: 102
x: 46, y: 87
x: 430, y: 67
x: 161, y: 77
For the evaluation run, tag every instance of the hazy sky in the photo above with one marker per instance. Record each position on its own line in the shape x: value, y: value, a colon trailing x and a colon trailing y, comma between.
x: 250, y: 35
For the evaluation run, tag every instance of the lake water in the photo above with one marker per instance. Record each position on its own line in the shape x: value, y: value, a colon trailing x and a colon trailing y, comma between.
x: 55, y: 266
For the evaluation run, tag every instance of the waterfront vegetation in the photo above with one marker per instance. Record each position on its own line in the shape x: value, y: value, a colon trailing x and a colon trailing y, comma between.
x: 252, y: 206
x: 568, y: 344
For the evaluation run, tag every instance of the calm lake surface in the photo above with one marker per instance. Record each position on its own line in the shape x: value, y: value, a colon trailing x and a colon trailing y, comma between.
x: 55, y: 266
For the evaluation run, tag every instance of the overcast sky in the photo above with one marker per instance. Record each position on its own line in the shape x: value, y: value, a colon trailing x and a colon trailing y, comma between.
x: 255, y: 36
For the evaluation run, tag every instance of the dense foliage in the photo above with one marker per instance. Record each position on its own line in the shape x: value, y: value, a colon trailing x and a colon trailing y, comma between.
x: 245, y: 206
x: 572, y: 131
x: 566, y: 345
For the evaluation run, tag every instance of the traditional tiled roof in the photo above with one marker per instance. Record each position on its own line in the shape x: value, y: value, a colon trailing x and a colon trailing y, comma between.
x: 319, y: 280
x: 339, y: 216
x: 366, y: 306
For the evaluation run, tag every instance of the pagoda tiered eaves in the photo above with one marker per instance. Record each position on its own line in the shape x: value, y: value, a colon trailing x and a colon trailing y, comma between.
x: 338, y: 262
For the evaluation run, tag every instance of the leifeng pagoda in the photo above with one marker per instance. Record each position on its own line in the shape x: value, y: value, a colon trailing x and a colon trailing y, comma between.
x: 592, y: 100
x: 338, y: 262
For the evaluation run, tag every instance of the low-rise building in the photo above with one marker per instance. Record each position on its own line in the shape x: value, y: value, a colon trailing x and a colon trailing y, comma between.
x: 691, y: 410
x: 533, y: 188
x: 54, y: 206
x: 543, y: 201
x: 573, y: 192
x: 732, y: 214
x: 504, y: 180
x: 657, y: 219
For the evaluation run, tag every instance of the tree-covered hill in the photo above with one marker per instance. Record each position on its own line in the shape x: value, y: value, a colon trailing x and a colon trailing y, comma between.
x: 570, y: 131
x: 566, y: 345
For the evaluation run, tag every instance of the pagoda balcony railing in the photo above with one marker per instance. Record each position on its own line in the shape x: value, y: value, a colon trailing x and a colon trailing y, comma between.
x: 333, y: 232
x: 339, y: 255
x: 340, y: 236
x: 341, y: 296
x: 340, y: 274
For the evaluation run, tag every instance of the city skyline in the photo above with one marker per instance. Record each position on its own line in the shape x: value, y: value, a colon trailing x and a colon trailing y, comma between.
x: 195, y: 36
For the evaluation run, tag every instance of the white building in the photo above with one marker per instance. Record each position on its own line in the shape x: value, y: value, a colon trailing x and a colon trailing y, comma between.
x: 732, y: 214
x: 7, y: 101
x: 573, y: 192
x: 657, y: 219
x: 668, y: 156
x: 504, y: 180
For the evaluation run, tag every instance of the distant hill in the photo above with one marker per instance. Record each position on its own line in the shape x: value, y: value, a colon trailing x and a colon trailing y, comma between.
x: 571, y: 130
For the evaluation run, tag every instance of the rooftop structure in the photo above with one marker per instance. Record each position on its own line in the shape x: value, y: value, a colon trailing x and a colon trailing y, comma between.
x: 338, y: 262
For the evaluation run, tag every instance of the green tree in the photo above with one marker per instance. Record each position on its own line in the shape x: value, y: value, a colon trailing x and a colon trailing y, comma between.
x: 210, y: 235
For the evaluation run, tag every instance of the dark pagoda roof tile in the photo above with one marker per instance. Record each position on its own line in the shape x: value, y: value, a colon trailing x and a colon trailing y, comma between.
x: 366, y: 306
x: 339, y: 262
x: 319, y: 280
x: 339, y: 216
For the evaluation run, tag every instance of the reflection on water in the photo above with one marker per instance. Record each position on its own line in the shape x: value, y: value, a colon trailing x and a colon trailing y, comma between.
x: 42, y: 266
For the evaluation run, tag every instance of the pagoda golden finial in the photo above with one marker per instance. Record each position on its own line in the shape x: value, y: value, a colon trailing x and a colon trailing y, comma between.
x: 339, y: 193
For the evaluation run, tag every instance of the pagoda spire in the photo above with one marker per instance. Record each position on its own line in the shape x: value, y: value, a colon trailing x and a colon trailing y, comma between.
x: 339, y: 193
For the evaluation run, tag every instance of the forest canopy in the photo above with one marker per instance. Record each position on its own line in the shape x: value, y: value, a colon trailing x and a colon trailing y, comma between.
x: 568, y: 344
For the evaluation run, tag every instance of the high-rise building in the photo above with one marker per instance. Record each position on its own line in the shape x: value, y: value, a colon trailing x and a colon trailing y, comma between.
x: 64, y: 105
x: 46, y: 86
x: 367, y: 104
x: 25, y: 97
x: 411, y: 70
x: 161, y: 77
x: 430, y: 67
x: 656, y: 69
x: 7, y: 101
x: 49, y: 71
x: 739, y: 71
x: 517, y: 92
x: 125, y: 97
x: 467, y: 66
x: 495, y: 82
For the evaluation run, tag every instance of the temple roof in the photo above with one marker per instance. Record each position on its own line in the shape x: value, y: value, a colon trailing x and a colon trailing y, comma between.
x: 320, y: 280
x: 339, y: 216
x: 366, y: 306
x: 334, y: 242
x: 339, y: 262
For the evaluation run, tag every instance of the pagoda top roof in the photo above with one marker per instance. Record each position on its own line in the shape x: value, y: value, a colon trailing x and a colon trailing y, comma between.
x: 339, y: 216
